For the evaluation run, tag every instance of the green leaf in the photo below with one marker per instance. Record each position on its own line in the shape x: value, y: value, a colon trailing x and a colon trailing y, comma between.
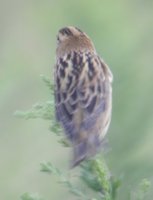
x: 145, y: 185
x: 49, y: 168
x: 48, y: 83
x: 28, y: 196
x: 39, y: 110
x: 95, y: 174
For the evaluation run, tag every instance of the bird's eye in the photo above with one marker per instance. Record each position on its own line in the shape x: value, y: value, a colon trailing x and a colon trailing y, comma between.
x: 58, y: 38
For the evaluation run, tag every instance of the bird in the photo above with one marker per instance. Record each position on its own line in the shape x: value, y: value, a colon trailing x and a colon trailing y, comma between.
x: 83, y: 93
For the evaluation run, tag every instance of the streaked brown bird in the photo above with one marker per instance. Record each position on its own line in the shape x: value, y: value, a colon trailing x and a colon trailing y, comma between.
x: 83, y: 92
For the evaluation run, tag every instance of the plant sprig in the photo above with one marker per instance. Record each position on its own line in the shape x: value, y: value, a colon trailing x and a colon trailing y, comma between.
x: 94, y: 174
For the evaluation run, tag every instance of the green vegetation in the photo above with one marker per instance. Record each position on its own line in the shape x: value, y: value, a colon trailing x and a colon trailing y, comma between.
x: 122, y: 33
x: 93, y: 173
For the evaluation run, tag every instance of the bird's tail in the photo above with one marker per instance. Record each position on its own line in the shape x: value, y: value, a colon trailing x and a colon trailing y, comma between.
x: 84, y: 150
x: 79, y: 153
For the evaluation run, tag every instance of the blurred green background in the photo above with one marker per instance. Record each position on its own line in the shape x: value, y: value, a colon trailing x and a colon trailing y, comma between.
x: 123, y: 35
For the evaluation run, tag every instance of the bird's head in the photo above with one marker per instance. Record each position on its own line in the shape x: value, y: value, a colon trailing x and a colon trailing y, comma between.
x: 73, y: 39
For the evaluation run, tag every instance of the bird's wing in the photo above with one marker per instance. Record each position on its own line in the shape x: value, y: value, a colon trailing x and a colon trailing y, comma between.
x: 82, y: 88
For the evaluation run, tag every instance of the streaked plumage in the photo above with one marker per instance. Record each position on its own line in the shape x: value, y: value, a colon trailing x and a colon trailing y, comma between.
x: 83, y: 94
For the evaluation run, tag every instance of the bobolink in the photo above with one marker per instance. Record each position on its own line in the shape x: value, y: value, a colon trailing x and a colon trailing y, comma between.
x: 83, y: 92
